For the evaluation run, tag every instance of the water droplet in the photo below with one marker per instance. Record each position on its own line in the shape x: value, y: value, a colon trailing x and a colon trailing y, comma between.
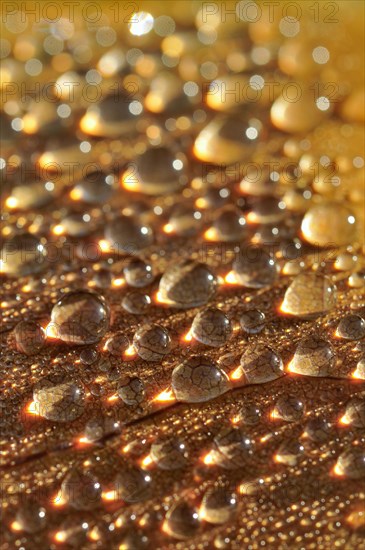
x: 134, y: 540
x: 181, y: 521
x: 23, y: 254
x: 317, y: 429
x: 111, y: 118
x: 88, y: 356
x: 314, y: 356
x: 78, y: 224
x: 329, y: 224
x: 80, y: 317
x: 289, y: 408
x: 360, y: 368
x: 357, y: 280
x: 152, y: 342
x: 158, y: 171
x: 232, y: 448
x: 102, y: 278
x: 298, y: 116
x: 230, y: 225
x: 187, y: 284
x: 98, y: 427
x: 184, y: 220
x: 351, y: 463
x: 136, y: 303
x: 218, y: 505
x: 252, y: 321
x: 355, y: 412
x: 211, y: 327
x: 248, y: 414
x: 260, y: 364
x: 117, y: 344
x: 81, y: 490
x: 132, y: 485
x: 30, y: 337
x: 73, y: 531
x: 138, y: 273
x: 309, y: 295
x: 33, y: 194
x: 131, y: 391
x: 255, y: 268
x: 127, y: 235
x: 31, y: 517
x: 289, y: 452
x: 198, y: 379
x: 58, y: 398
x: 95, y: 188
x: 169, y: 454
x: 351, y: 327
x: 267, y: 210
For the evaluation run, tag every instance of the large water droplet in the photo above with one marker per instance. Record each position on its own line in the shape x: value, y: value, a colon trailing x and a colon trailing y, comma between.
x: 81, y: 490
x: 260, y: 364
x: 131, y: 391
x: 127, y: 235
x: 351, y: 327
x: 314, y: 356
x: 30, y: 337
x: 169, y: 454
x: 80, y: 317
x: 181, y: 521
x: 329, y: 224
x: 211, y: 327
x: 152, y: 342
x: 23, y: 254
x: 198, y: 379
x: 187, y: 284
x: 218, y: 505
x: 255, y: 268
x: 58, y: 398
x: 309, y: 295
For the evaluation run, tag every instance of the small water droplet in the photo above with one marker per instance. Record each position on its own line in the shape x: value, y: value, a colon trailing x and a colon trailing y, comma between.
x: 355, y: 412
x: 127, y: 235
x: 211, y: 327
x: 218, y: 505
x: 169, y: 454
x: 232, y: 448
x: 81, y: 490
x: 181, y: 521
x: 252, y: 321
x: 230, y: 225
x: 248, y: 414
x: 309, y: 295
x: 289, y: 452
x: 98, y: 427
x: 198, y: 379
x: 136, y: 303
x: 117, y: 344
x: 30, y: 337
x: 255, y: 268
x: 187, y: 284
x: 23, y: 254
x: 289, y: 408
x: 131, y: 390
x: 58, y: 398
x: 80, y: 317
x: 317, y: 429
x: 152, y: 342
x: 314, y: 356
x: 31, y: 517
x: 260, y: 364
x: 132, y: 485
x: 138, y: 273
x: 94, y: 188
x: 351, y: 463
x: 88, y: 356
x: 351, y: 327
x: 329, y: 224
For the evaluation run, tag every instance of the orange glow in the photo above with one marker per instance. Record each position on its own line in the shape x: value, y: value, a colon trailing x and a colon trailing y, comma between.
x: 83, y: 442
x: 278, y: 459
x: 11, y: 202
x: 344, y: 420
x: 265, y: 438
x: 236, y: 374
x: 104, y: 246
x: 146, y: 461
x: 58, y: 501
x: 154, y: 102
x: 93, y: 535
x: 75, y: 194
x: 165, y: 396
x: 168, y: 228
x: 211, y: 234
x: 109, y: 496
x: 58, y: 229
x: 51, y: 331
x: 290, y: 367
x: 208, y: 459
x: 188, y: 336
x: 274, y: 415
x: 160, y: 299
x: 30, y: 124
x: 129, y: 180
x: 358, y: 374
x: 60, y: 536
x: 113, y: 398
x: 252, y: 218
x: 235, y: 419
x: 33, y: 408
x: 89, y: 122
x: 337, y: 470
x: 15, y: 526
x: 118, y: 282
x: 201, y: 203
x: 130, y: 352
x: 231, y: 279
